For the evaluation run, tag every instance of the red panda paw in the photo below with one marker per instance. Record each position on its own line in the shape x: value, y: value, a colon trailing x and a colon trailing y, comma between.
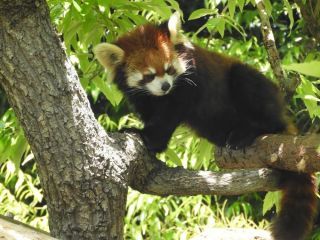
x: 240, y: 140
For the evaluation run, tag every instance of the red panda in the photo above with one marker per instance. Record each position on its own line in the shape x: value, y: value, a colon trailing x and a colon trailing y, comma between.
x: 170, y: 81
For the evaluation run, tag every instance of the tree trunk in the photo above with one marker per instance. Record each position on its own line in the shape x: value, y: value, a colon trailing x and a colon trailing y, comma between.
x: 81, y: 169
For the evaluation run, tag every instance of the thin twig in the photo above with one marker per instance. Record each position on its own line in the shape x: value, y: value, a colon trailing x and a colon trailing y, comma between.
x: 270, y: 45
x: 287, y: 86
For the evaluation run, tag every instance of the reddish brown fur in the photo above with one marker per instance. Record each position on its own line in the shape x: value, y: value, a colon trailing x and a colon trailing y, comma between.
x: 298, y: 207
x: 146, y: 46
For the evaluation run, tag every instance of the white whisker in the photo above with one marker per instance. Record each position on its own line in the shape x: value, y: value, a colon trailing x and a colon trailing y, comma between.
x: 188, y: 80
x: 136, y: 91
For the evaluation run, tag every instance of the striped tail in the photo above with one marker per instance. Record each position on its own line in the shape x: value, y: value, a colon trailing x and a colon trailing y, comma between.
x: 298, y: 207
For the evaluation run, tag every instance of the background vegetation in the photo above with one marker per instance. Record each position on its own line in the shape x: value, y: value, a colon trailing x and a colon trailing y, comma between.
x: 231, y: 27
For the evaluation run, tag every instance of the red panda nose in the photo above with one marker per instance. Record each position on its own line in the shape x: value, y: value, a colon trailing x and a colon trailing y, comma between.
x: 165, y: 86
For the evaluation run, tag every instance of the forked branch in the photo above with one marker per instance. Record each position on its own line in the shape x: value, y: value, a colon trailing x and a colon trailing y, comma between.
x: 294, y: 153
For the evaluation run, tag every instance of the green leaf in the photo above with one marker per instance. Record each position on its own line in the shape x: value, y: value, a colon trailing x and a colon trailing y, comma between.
x: 212, y: 23
x: 17, y: 149
x: 268, y: 6
x: 175, y: 5
x: 76, y: 6
x: 271, y: 199
x: 290, y: 13
x: 205, y: 152
x: 221, y: 27
x: 139, y: 20
x: 201, y: 28
x: 109, y: 90
x: 235, y: 25
x: 312, y: 98
x: 73, y: 28
x: 308, y: 68
x: 173, y: 157
x: 241, y: 4
x: 231, y: 7
x: 200, y: 13
x: 309, y: 93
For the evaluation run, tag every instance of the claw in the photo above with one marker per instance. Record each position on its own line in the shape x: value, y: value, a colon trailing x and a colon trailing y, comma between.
x: 130, y: 130
x: 220, y: 150
x: 244, y: 150
x: 229, y: 150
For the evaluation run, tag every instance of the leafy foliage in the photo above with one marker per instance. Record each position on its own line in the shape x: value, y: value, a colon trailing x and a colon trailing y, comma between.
x: 85, y: 23
x: 20, y: 192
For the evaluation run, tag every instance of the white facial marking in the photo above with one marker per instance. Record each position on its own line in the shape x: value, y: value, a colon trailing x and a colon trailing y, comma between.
x: 155, y: 87
x: 188, y: 44
x: 151, y: 70
x: 169, y: 79
x: 134, y: 78
x: 166, y: 65
x: 180, y: 65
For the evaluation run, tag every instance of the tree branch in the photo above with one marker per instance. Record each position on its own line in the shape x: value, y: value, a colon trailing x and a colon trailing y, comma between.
x: 287, y: 86
x: 287, y: 152
x: 183, y: 182
x: 13, y: 230
x: 293, y: 153
x: 152, y: 176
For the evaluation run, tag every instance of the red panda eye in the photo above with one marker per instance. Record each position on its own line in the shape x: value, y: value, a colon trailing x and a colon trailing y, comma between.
x: 148, y: 78
x: 171, y: 70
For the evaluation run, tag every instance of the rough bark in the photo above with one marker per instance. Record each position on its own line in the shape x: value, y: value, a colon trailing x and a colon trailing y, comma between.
x: 149, y: 175
x: 81, y: 169
x: 165, y: 181
x: 294, y: 153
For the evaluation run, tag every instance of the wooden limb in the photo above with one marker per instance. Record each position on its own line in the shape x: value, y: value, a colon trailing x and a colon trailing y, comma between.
x: 293, y: 153
x: 233, y: 234
x: 14, y: 230
x: 153, y: 177
x: 287, y: 86
x: 182, y: 182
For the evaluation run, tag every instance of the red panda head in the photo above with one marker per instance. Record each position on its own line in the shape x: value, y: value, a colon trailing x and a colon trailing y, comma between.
x: 148, y: 56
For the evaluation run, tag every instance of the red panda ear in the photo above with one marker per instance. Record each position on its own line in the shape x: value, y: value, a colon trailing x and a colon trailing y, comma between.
x: 109, y: 55
x: 174, y: 27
